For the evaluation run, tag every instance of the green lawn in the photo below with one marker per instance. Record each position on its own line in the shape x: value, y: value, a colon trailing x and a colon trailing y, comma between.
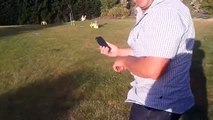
x: 55, y: 72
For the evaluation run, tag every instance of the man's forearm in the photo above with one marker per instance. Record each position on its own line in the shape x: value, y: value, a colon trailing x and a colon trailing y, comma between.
x: 125, y: 52
x: 148, y: 67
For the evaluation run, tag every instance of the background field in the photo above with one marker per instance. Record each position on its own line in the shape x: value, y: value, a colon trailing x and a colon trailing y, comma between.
x: 55, y: 72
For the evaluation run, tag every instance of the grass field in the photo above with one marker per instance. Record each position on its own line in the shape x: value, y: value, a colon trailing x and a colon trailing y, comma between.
x: 55, y: 72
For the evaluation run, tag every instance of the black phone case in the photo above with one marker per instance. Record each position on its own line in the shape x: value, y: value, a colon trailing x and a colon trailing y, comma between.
x: 102, y: 42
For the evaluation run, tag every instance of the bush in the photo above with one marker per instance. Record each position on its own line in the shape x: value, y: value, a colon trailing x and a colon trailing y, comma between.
x: 104, y: 12
x: 108, y: 4
x: 208, y: 6
x: 116, y: 12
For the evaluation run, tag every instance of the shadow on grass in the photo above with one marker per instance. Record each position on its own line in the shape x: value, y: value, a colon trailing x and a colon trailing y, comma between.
x: 198, y: 84
x: 49, y: 99
x: 102, y: 25
x: 19, y: 29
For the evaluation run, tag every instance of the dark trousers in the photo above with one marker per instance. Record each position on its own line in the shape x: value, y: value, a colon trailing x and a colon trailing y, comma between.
x: 140, y: 112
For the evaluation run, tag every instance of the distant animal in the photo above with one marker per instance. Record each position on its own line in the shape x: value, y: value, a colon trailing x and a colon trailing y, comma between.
x: 43, y: 23
x: 83, y: 17
x: 94, y: 24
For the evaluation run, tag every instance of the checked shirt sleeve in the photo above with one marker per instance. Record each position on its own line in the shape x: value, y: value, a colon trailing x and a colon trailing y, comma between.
x: 163, y: 34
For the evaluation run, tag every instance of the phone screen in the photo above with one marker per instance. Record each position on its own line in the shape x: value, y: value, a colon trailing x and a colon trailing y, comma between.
x: 102, y: 42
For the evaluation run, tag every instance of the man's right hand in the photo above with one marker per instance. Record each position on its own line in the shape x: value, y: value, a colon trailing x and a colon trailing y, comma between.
x: 112, y: 53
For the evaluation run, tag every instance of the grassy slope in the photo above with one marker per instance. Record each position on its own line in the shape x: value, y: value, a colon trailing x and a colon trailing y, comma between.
x: 56, y: 72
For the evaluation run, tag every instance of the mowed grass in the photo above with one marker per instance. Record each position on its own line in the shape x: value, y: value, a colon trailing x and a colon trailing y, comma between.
x: 56, y: 72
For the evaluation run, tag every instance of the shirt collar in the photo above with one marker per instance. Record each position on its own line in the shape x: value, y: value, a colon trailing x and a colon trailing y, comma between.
x: 154, y: 3
x: 140, y: 12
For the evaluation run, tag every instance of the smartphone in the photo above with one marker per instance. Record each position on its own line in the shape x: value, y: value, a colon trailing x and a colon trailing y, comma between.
x: 102, y: 42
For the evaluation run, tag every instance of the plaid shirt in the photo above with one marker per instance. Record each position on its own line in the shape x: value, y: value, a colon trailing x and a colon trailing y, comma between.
x: 165, y: 30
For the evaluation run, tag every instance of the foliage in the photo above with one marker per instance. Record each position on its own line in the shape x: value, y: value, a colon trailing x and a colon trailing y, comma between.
x: 8, y: 11
x: 52, y: 11
x: 90, y: 8
x: 116, y: 12
x: 200, y: 6
x: 107, y: 4
x: 208, y: 6
x: 60, y: 11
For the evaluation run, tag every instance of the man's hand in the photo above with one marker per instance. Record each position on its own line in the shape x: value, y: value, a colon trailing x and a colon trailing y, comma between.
x: 112, y: 53
x: 118, y: 65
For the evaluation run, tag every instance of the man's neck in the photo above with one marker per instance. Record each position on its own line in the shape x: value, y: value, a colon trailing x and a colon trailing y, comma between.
x: 147, y: 7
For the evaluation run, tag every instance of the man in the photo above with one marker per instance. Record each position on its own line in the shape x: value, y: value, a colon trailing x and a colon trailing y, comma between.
x: 159, y: 58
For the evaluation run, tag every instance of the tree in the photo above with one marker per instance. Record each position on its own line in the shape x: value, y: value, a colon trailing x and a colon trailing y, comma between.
x: 107, y: 4
x: 52, y: 11
x: 8, y: 12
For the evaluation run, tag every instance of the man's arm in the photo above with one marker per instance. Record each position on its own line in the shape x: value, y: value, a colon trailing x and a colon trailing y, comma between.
x: 147, y: 67
x: 124, y: 52
x: 115, y: 51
